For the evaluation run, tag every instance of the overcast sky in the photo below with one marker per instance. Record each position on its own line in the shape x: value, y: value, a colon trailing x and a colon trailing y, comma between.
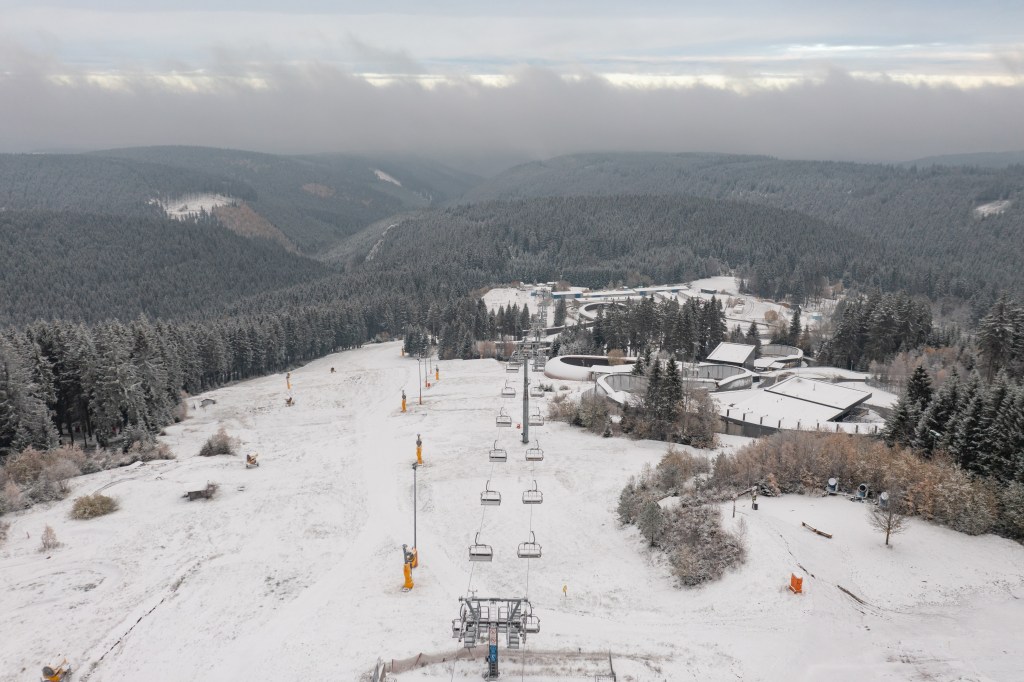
x: 859, y: 80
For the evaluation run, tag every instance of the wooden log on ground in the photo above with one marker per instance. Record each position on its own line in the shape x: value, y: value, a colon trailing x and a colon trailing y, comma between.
x: 815, y: 530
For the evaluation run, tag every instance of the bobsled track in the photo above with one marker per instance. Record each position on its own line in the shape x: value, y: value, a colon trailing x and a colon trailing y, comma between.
x: 293, y: 570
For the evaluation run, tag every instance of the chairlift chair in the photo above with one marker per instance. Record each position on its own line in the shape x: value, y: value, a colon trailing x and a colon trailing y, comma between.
x: 539, y: 362
x: 508, y: 391
x: 497, y: 454
x: 490, y: 498
x: 530, y: 623
x: 536, y: 419
x: 528, y: 550
x: 503, y: 420
x: 479, y: 551
x: 513, y: 366
x: 536, y: 391
x: 535, y: 454
x: 533, y: 496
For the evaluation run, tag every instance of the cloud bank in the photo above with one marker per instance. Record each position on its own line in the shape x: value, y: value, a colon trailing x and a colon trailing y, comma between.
x: 535, y: 112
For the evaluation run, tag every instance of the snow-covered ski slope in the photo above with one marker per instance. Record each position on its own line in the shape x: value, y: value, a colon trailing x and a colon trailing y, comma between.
x: 298, y: 576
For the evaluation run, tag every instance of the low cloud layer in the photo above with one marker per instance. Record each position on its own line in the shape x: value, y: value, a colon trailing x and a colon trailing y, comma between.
x: 536, y: 113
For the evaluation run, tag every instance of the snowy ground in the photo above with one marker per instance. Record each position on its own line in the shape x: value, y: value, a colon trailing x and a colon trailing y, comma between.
x: 294, y: 570
x: 192, y: 205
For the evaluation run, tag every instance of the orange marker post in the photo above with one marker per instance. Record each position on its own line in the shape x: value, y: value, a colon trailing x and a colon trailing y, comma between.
x: 796, y: 583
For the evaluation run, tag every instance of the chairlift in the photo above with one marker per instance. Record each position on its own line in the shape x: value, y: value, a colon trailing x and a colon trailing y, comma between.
x: 539, y: 362
x: 497, y: 454
x: 533, y: 496
x: 508, y: 391
x: 490, y: 498
x: 536, y: 391
x: 536, y: 419
x: 535, y: 454
x: 479, y: 551
x: 513, y: 366
x: 530, y: 623
x: 503, y: 420
x: 527, y: 550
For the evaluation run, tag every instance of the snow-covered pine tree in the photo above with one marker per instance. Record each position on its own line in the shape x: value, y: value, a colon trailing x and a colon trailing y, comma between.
x: 935, y: 424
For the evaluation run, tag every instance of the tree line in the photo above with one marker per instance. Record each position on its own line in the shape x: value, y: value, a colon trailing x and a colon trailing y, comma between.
x: 115, y: 382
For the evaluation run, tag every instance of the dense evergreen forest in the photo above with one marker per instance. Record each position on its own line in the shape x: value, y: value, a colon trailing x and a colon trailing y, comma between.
x: 90, y: 267
x: 925, y: 215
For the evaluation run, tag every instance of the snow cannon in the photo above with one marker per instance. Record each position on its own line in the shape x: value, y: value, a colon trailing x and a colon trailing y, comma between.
x: 796, y: 583
x: 61, y: 672
x: 862, y: 492
x: 883, y: 501
x: 833, y: 486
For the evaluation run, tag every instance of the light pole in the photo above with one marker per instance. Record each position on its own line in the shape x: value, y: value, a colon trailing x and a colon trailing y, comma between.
x: 419, y: 379
x: 415, y: 545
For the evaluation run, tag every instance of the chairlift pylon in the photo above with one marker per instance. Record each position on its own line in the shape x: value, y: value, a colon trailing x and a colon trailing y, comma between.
x: 490, y: 498
x: 497, y: 454
x: 529, y: 549
x: 479, y: 551
x: 533, y: 496
x: 535, y: 454
x: 503, y: 420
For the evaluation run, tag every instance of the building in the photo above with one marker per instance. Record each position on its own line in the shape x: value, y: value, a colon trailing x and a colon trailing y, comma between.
x: 737, y: 354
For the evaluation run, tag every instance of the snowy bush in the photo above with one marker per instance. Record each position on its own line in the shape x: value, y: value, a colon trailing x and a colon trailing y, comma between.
x: 49, y: 540
x: 4, y: 527
x: 1011, y: 513
x: 91, y: 506
x: 700, y: 549
x: 11, y: 498
x: 590, y: 413
x: 41, y: 475
x: 219, y: 443
x: 792, y: 462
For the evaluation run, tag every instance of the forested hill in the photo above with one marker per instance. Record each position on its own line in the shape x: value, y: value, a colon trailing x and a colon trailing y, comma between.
x: 89, y: 267
x: 596, y: 241
x: 930, y: 213
x: 316, y: 201
x: 89, y: 184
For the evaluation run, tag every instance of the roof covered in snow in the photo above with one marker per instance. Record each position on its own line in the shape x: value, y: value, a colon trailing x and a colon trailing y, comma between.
x: 737, y: 353
x: 820, y: 392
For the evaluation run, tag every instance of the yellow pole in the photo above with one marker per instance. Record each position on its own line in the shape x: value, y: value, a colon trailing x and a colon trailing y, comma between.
x: 403, y: 401
x: 415, y: 557
x: 437, y: 373
x: 419, y: 449
x: 407, y: 571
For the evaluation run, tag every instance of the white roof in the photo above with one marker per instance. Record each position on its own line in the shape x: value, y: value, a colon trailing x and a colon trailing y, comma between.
x: 819, y: 392
x: 731, y: 352
x: 774, y: 406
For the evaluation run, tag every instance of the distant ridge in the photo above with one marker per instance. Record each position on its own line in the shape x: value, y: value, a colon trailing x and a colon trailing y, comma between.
x: 978, y: 159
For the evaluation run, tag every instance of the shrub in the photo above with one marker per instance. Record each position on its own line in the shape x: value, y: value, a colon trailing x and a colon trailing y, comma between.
x: 795, y: 462
x: 700, y: 549
x: 4, y: 527
x: 91, y: 506
x: 11, y: 499
x: 590, y: 413
x: 219, y: 443
x: 49, y: 540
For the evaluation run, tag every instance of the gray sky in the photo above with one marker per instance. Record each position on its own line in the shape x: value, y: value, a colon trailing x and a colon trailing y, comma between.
x: 858, y: 80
